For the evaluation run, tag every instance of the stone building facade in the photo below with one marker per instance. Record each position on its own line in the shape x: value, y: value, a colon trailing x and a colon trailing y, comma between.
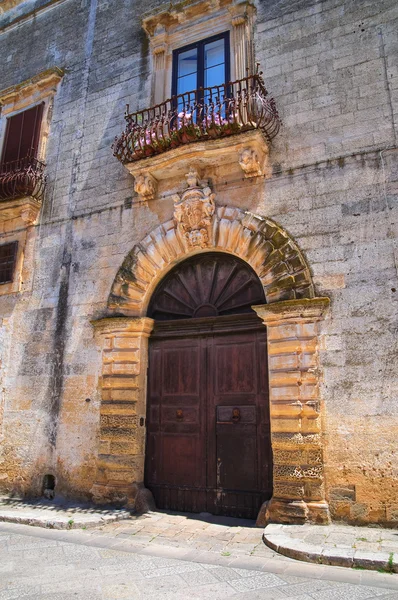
x: 312, y: 211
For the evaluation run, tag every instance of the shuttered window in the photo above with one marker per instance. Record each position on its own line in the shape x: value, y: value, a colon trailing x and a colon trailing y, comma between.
x: 22, y: 135
x: 8, y: 257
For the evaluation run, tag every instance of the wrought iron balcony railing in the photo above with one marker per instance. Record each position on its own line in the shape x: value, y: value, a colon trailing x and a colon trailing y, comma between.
x: 23, y: 177
x: 202, y: 114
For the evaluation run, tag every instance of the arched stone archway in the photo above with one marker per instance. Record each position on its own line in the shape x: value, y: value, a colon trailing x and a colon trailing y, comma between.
x: 292, y: 316
x: 268, y: 249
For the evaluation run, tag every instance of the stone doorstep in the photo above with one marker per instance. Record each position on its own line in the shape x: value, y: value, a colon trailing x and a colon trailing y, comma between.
x: 63, y: 520
x: 280, y: 539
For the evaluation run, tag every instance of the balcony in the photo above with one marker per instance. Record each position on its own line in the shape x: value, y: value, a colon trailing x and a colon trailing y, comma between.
x: 200, y: 115
x: 21, y: 179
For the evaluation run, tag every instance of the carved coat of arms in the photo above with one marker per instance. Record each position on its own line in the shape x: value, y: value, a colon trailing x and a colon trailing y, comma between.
x: 194, y: 211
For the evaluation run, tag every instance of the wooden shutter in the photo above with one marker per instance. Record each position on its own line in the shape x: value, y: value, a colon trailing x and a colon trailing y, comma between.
x: 22, y: 134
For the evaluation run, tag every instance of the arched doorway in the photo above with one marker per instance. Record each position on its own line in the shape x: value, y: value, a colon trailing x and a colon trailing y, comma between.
x: 208, y: 426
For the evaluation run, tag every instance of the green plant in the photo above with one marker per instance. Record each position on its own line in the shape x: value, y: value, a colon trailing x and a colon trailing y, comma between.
x: 70, y: 523
x: 390, y: 563
x: 224, y: 553
x: 362, y: 539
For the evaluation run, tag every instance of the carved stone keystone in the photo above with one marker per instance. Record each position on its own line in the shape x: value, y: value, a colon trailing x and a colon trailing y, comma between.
x: 193, y: 212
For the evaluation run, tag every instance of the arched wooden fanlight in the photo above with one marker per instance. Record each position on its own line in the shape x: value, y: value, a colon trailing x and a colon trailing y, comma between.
x: 207, y: 285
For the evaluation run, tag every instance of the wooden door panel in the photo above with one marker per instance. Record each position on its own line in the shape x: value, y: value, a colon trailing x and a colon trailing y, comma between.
x: 175, y: 460
x: 181, y: 369
x: 234, y: 364
x: 181, y: 464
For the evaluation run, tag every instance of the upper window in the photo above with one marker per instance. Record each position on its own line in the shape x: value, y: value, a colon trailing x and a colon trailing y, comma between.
x: 22, y: 135
x: 204, y: 64
x: 8, y: 257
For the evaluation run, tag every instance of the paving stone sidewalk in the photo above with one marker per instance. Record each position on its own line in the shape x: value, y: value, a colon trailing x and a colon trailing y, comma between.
x: 341, y: 545
x: 39, y: 564
x: 56, y: 514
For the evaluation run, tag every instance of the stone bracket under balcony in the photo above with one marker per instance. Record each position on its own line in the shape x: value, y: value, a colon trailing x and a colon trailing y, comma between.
x: 245, y: 155
x: 19, y: 212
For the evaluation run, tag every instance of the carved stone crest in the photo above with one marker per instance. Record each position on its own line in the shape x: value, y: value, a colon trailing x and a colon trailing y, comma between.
x: 194, y: 210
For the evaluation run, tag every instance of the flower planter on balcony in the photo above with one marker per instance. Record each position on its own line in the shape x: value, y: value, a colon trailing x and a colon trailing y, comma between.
x: 196, y: 116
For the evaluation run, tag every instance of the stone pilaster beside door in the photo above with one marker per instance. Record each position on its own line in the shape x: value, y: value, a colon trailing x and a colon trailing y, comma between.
x: 295, y: 409
x: 121, y: 458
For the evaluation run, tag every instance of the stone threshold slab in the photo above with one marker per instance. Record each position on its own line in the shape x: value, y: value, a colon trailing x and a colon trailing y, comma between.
x: 58, y: 516
x: 292, y: 541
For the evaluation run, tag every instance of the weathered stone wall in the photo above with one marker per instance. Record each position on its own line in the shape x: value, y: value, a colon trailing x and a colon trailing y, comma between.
x: 331, y: 66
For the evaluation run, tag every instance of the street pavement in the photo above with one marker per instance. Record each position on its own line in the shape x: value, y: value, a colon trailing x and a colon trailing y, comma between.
x: 210, y: 559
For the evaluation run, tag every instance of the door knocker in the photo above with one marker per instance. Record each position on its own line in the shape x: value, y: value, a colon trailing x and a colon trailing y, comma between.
x: 236, y: 415
x: 179, y: 414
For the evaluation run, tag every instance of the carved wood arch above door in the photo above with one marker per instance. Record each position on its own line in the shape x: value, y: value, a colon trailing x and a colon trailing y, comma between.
x: 209, y: 285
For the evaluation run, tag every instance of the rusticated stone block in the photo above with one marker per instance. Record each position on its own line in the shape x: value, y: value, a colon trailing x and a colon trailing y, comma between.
x: 120, y: 395
x: 113, y: 381
x: 315, y: 457
x: 314, y: 490
x: 289, y: 457
x: 114, y: 368
x: 311, y: 425
x: 116, y: 421
x: 285, y: 439
x: 126, y: 342
x: 342, y: 493
x: 119, y: 356
x: 119, y: 408
x: 286, y: 425
x: 292, y: 347
x: 288, y: 490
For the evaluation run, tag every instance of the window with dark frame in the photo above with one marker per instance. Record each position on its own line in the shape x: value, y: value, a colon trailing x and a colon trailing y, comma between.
x: 22, y: 135
x: 204, y: 64
x: 8, y: 258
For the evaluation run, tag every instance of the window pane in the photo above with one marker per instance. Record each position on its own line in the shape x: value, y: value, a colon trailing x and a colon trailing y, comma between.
x: 214, y: 53
x: 187, y: 62
x: 186, y: 84
x: 215, y: 76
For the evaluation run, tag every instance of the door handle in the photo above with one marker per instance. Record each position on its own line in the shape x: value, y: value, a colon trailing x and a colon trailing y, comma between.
x: 236, y: 416
x: 179, y: 414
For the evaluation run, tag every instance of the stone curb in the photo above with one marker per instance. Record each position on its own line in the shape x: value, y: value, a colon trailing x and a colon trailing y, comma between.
x: 338, y: 557
x: 69, y: 522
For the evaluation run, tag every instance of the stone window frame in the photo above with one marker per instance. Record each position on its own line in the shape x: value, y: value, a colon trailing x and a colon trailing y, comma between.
x: 169, y: 30
x: 20, y: 97
x: 17, y: 216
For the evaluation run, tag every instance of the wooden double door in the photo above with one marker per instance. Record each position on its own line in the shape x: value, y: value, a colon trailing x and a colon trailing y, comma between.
x: 208, y: 428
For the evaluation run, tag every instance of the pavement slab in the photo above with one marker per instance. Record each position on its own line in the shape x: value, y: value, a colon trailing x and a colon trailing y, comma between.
x: 338, y: 545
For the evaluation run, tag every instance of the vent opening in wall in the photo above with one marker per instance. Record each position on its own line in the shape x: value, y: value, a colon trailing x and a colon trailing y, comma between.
x: 49, y: 486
